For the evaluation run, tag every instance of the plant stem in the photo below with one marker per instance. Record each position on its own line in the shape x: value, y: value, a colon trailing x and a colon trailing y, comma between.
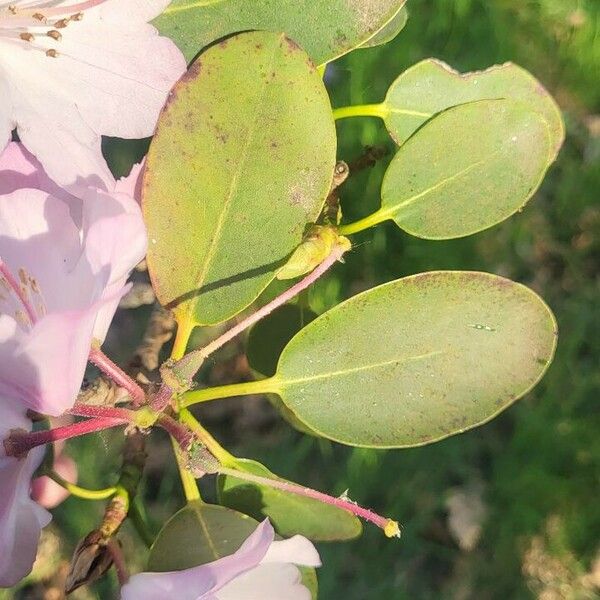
x: 20, y: 443
x: 190, y: 487
x: 94, y: 411
x: 263, y: 386
x: 109, y: 368
x: 81, y: 492
x: 179, y: 432
x: 390, y: 527
x: 361, y: 110
x: 370, y: 221
x: 206, y: 438
x: 184, y: 370
x: 182, y: 338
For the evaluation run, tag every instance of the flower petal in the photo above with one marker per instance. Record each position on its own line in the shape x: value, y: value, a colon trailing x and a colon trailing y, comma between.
x: 110, y: 76
x: 297, y: 550
x: 280, y: 581
x: 21, y: 519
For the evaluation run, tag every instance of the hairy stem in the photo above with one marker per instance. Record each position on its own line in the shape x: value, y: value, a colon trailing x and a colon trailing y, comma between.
x: 20, y: 443
x: 390, y: 527
x: 206, y: 438
x: 109, y: 368
x: 183, y: 371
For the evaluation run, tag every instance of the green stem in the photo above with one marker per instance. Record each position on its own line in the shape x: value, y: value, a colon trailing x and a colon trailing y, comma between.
x: 361, y: 110
x: 362, y: 224
x: 207, y: 439
x: 185, y: 328
x: 263, y: 386
x: 81, y: 492
x: 190, y: 487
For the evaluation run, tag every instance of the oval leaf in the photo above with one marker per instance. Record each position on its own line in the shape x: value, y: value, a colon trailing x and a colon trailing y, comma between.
x: 466, y: 169
x: 242, y: 159
x: 289, y: 514
x: 198, y: 534
x: 431, y: 86
x: 201, y: 533
x: 453, y: 350
x: 327, y: 30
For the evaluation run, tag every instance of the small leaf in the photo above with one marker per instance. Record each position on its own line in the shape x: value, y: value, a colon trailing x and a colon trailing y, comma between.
x: 453, y: 349
x: 327, y: 30
x: 242, y: 160
x: 466, y: 170
x: 431, y: 86
x: 389, y: 31
x: 198, y: 534
x: 289, y: 514
x: 269, y: 337
x: 202, y: 533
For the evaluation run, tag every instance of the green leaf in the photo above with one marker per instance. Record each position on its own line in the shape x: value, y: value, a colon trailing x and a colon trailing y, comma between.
x: 270, y: 336
x: 201, y: 533
x: 431, y: 86
x: 453, y: 349
x: 198, y: 534
x: 242, y: 159
x: 389, y: 31
x: 289, y: 514
x: 327, y: 30
x: 466, y: 170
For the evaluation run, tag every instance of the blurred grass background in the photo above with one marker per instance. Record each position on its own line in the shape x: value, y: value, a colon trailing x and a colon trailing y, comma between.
x: 529, y: 479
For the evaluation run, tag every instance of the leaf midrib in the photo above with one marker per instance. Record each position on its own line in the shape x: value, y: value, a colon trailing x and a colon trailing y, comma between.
x: 283, y: 383
x: 212, y: 249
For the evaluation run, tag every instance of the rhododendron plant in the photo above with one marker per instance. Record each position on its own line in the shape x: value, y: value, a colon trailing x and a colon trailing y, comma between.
x: 261, y: 568
x: 233, y: 214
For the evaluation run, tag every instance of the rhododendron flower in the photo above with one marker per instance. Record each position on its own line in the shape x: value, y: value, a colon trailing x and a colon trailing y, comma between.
x: 21, y: 519
x: 64, y: 261
x: 72, y: 71
x: 261, y: 569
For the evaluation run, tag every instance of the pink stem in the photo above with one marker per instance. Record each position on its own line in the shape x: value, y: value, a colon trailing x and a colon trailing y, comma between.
x: 390, y: 527
x: 274, y: 304
x: 18, y: 290
x: 188, y: 366
x: 20, y: 443
x: 109, y: 368
x: 104, y: 412
x: 180, y: 433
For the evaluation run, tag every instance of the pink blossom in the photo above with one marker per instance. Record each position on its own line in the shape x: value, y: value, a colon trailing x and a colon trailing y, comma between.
x: 21, y: 519
x: 64, y: 261
x: 72, y: 71
x: 261, y: 568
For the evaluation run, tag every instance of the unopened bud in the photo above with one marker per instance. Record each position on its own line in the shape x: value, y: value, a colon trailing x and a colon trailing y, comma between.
x: 91, y: 560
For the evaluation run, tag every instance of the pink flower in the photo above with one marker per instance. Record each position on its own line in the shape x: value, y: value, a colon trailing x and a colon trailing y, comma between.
x: 64, y: 261
x: 21, y: 519
x: 261, y: 568
x: 72, y: 71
